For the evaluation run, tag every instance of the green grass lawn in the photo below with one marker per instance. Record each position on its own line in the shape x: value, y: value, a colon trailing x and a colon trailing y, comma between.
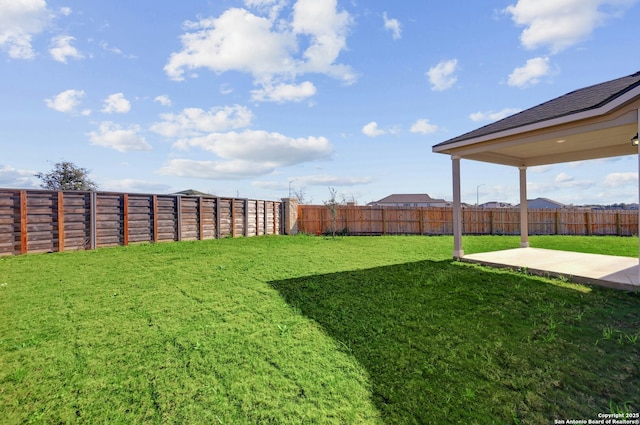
x: 303, y: 330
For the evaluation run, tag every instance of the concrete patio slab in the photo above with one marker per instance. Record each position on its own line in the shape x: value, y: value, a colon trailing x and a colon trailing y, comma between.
x: 594, y: 269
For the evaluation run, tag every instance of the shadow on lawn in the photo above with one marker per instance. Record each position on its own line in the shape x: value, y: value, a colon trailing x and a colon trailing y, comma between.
x: 445, y: 342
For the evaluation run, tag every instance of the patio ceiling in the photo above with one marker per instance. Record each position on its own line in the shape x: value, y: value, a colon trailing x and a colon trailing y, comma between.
x: 590, y: 123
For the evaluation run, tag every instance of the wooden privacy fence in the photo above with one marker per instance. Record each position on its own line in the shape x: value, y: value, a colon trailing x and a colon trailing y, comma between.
x: 355, y: 220
x: 47, y: 221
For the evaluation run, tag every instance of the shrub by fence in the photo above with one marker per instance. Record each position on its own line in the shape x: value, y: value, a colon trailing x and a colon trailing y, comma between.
x: 46, y: 221
x: 366, y: 220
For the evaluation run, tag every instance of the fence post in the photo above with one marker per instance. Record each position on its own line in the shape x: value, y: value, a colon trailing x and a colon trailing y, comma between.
x: 154, y: 207
x: 233, y: 218
x: 257, y: 217
x: 557, y: 232
x: 265, y: 217
x: 218, y: 218
x: 384, y: 221
x: 587, y: 216
x: 200, y: 222
x: 178, y: 217
x: 618, y: 224
x: 60, y: 221
x: 125, y: 219
x: 23, y: 222
x: 290, y: 207
x: 275, y: 219
x: 491, y: 222
x: 93, y: 223
x: 246, y: 218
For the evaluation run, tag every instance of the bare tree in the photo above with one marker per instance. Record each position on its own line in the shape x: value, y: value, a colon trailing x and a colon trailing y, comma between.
x: 332, y: 206
x: 66, y: 176
x: 301, y: 196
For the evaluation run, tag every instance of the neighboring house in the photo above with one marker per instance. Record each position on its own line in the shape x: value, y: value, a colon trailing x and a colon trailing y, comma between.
x: 496, y: 204
x: 544, y: 203
x: 410, y: 200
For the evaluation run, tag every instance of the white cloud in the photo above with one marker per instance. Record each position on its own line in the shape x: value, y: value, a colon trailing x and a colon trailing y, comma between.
x: 615, y: 180
x: 284, y: 92
x: 13, y: 177
x: 269, y: 7
x: 327, y: 29
x: 326, y: 180
x: 116, y: 103
x: 66, y: 101
x: 442, y: 75
x: 530, y: 73
x: 423, y: 126
x: 66, y: 11
x: 563, y: 178
x: 492, y: 115
x: 226, y: 89
x: 111, y: 135
x: 237, y: 40
x: 215, y: 170
x: 238, y: 155
x: 261, y: 148
x: 372, y: 130
x: 560, y: 24
x: 246, y: 155
x: 132, y: 185
x: 541, y: 169
x: 20, y: 21
x: 268, y: 47
x: 392, y: 25
x: 197, y: 122
x: 112, y: 49
x: 163, y: 100
x: 61, y: 49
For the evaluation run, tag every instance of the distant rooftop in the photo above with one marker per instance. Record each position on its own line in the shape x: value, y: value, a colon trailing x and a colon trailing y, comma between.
x: 408, y: 198
x: 192, y: 192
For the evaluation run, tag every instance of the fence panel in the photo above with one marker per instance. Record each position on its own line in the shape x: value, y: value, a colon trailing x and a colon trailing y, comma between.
x: 368, y: 220
x: 189, y: 212
x: 272, y: 217
x: 627, y: 223
x: 140, y: 218
x: 208, y: 218
x: 238, y: 214
x: 252, y: 215
x: 9, y: 222
x: 77, y: 220
x: 42, y: 229
x: 47, y: 221
x: 110, y: 219
x: 437, y: 221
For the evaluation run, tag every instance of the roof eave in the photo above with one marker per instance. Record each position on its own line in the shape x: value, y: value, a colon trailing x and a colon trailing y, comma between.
x: 448, y: 148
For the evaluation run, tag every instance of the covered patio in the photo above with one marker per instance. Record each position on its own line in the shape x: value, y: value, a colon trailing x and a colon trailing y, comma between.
x: 599, y: 121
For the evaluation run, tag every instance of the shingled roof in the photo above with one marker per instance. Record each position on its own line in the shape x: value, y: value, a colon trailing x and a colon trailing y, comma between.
x: 577, y: 101
x: 408, y: 198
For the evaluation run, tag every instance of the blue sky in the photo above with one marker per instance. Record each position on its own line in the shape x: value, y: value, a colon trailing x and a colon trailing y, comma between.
x: 253, y: 98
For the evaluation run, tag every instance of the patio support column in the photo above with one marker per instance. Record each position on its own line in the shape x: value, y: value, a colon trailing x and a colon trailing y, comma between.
x: 524, y: 219
x: 638, y: 124
x: 458, y: 252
